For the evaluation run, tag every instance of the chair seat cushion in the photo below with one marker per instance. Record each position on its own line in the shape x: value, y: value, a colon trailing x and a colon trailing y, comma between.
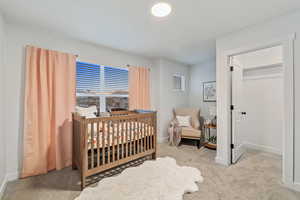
x: 190, y: 132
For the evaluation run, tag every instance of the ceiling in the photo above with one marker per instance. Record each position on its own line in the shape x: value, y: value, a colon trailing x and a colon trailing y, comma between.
x: 187, y: 35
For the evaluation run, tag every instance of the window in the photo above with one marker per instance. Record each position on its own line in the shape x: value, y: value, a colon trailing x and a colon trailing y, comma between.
x: 178, y: 83
x: 103, y: 86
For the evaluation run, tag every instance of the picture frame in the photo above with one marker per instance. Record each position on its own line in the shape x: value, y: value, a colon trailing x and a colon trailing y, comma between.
x: 209, y: 91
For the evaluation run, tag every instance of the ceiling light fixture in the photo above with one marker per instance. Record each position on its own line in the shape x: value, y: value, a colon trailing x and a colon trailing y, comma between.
x: 161, y: 9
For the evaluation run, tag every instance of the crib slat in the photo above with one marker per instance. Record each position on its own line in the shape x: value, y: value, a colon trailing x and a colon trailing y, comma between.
x: 138, y: 134
x: 122, y: 139
x: 103, y: 143
x: 147, y: 132
x: 118, y: 140
x: 150, y: 127
x: 141, y: 132
x: 113, y: 140
x: 130, y: 138
x: 92, y: 145
x: 134, y: 136
x: 141, y: 136
x: 98, y: 145
x: 152, y: 134
x: 108, y: 142
x: 126, y: 138
x: 153, y: 131
x: 144, y: 133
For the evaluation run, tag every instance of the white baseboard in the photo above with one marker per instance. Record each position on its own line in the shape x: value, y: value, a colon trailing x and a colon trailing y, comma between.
x: 163, y: 139
x: 293, y: 186
x: 12, y: 176
x: 2, y: 187
x: 262, y: 148
x: 221, y: 161
x: 8, y: 177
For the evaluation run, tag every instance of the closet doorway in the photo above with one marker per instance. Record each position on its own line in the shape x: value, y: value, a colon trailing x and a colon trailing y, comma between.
x: 257, y: 96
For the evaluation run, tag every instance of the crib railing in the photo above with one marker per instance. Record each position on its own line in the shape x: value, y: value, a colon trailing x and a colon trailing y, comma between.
x: 106, y: 142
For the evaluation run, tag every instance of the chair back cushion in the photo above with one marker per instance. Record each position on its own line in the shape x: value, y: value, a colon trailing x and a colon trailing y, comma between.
x: 193, y: 112
x: 184, y: 121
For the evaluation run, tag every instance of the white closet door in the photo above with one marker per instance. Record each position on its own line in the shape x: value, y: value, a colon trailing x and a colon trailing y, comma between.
x: 237, y: 113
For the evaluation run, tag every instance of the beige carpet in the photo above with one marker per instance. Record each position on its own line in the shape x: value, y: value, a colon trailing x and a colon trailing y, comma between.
x: 256, y: 177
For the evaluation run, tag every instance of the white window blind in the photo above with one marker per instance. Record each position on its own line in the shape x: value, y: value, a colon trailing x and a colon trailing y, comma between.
x: 115, y: 80
x: 87, y: 77
x: 93, y: 78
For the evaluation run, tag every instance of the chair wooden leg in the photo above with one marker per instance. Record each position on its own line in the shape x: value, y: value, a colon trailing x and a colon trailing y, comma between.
x: 74, y: 167
x: 198, y: 144
x: 180, y: 143
x: 196, y: 141
x: 83, y: 183
x: 154, y: 156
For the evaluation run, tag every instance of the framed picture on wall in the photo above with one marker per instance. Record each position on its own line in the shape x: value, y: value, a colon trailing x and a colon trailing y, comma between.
x: 209, y: 91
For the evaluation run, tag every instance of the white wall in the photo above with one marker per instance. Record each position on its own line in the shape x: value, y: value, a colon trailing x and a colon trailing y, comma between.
x: 263, y: 127
x: 2, y: 136
x: 200, y: 73
x: 168, y: 98
x: 281, y: 27
x: 163, y: 98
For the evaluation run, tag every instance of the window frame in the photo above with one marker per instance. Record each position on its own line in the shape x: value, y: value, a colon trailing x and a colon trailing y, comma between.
x: 182, y: 83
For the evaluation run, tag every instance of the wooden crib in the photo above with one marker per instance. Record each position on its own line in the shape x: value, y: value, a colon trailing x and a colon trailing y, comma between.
x: 103, y: 143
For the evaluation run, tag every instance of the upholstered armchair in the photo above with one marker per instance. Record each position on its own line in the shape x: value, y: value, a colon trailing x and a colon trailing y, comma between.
x: 194, y: 131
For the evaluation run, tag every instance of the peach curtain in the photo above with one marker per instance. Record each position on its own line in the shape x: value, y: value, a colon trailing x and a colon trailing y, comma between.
x: 49, y: 102
x: 139, y: 88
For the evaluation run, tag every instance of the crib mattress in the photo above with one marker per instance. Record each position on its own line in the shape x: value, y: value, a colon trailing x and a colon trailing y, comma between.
x: 116, y: 134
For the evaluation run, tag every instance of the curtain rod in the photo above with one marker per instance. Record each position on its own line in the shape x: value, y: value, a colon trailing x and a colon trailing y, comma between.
x: 130, y: 66
x: 127, y: 66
